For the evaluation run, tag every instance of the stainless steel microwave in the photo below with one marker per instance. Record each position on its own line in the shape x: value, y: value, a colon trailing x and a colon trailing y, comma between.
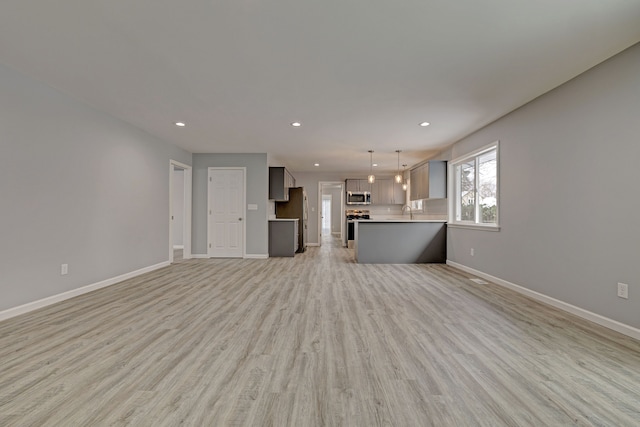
x: 358, y: 198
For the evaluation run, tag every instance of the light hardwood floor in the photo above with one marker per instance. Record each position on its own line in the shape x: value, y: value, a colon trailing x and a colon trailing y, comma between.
x: 314, y: 340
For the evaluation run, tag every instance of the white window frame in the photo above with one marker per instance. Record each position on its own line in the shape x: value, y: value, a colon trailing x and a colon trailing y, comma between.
x: 453, y: 222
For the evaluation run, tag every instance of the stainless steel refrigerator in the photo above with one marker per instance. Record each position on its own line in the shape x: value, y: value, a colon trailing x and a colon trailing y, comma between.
x: 296, y: 207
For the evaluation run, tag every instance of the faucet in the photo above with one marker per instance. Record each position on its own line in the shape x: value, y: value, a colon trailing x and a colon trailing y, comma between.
x: 410, y: 211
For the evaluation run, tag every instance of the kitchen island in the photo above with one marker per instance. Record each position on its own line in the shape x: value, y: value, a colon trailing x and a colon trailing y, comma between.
x: 400, y: 241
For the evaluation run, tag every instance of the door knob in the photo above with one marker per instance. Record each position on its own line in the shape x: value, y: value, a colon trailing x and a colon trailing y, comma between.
x: 239, y: 219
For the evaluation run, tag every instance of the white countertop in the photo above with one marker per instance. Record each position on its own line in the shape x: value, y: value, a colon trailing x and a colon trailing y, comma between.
x: 401, y: 220
x: 284, y: 219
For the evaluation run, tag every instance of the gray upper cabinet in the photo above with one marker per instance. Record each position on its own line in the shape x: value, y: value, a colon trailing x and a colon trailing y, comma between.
x: 387, y: 192
x: 382, y: 192
x: 429, y: 181
x: 357, y: 185
x: 280, y: 180
x: 399, y: 195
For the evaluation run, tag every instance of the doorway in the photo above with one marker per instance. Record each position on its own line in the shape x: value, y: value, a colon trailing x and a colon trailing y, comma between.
x: 331, y: 219
x: 326, y: 213
x: 179, y: 211
x: 226, y: 219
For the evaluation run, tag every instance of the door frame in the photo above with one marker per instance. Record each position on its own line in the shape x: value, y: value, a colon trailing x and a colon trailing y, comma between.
x: 328, y: 197
x: 186, y: 224
x: 320, y: 185
x: 244, y: 207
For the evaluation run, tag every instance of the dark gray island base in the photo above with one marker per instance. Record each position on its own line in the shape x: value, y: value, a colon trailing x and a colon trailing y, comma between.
x: 400, y: 242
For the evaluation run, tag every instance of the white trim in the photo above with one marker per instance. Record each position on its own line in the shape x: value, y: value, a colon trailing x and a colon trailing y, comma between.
x: 312, y: 244
x: 186, y: 223
x: 451, y: 190
x: 580, y: 312
x: 473, y: 226
x: 476, y: 152
x: 342, y: 207
x: 178, y: 246
x: 246, y: 256
x: 256, y: 256
x: 30, y: 306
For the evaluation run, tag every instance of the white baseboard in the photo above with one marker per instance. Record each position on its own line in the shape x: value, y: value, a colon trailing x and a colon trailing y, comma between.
x: 256, y: 256
x: 178, y: 246
x: 312, y: 244
x: 246, y: 256
x: 580, y: 312
x: 25, y: 308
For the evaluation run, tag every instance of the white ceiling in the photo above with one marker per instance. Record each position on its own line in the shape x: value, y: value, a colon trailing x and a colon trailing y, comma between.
x: 358, y: 74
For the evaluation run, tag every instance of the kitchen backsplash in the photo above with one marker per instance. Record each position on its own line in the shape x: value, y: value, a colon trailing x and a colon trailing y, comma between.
x: 433, y: 210
x: 378, y: 210
x: 271, y: 209
x: 435, y: 207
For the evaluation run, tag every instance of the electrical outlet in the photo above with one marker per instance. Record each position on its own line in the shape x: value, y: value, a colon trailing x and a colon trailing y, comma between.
x: 64, y: 269
x: 623, y: 290
x: 472, y: 252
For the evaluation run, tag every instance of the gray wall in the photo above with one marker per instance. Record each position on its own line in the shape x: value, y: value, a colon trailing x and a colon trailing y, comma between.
x: 569, y: 193
x: 178, y: 206
x: 76, y: 186
x: 257, y: 182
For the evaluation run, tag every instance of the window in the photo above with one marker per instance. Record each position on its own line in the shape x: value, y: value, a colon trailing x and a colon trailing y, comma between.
x: 475, y: 188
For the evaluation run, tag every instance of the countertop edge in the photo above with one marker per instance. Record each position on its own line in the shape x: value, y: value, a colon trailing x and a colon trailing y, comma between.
x: 400, y: 220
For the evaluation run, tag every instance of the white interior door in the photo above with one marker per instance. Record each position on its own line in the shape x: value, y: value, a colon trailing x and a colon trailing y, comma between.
x: 226, y: 212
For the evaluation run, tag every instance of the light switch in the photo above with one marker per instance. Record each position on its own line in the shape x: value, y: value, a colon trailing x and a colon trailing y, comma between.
x: 252, y: 207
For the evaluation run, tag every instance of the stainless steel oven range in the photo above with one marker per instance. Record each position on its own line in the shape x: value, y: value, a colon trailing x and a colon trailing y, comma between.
x: 352, y: 215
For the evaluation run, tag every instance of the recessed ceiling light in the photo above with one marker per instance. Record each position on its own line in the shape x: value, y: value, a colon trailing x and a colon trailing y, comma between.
x: 180, y: 124
x: 316, y: 164
x: 424, y: 124
x: 296, y: 124
x: 375, y: 164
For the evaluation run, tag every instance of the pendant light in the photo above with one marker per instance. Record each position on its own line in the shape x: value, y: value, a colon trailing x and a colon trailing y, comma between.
x: 404, y: 181
x: 398, y: 176
x: 371, y: 178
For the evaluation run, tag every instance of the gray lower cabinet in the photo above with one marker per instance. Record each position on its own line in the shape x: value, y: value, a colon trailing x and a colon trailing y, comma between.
x: 283, y: 237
